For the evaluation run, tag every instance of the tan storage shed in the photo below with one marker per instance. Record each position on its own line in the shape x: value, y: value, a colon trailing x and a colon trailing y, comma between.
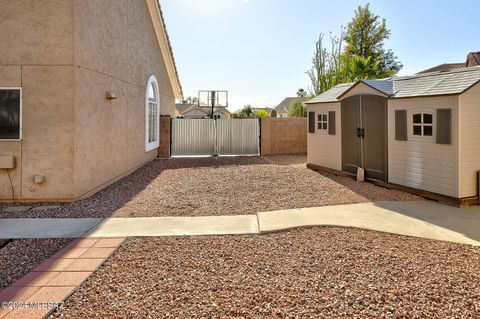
x: 420, y: 132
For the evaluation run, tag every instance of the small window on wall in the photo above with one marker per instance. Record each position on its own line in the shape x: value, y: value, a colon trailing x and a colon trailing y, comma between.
x: 152, y: 114
x: 10, y: 114
x: 322, y: 120
x: 423, y: 124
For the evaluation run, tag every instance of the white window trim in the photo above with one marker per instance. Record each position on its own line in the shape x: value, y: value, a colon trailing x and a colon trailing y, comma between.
x: 423, y: 137
x: 155, y: 144
x: 321, y: 130
x: 21, y: 113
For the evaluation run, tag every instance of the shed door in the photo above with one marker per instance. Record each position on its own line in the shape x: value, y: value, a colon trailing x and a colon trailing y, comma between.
x: 364, y: 135
x: 351, y: 143
x: 374, y: 141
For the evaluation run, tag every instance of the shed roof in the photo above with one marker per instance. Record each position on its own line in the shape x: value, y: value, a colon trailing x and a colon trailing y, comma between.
x: 426, y: 84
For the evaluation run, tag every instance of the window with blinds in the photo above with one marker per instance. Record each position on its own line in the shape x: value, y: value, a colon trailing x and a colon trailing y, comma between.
x: 10, y: 114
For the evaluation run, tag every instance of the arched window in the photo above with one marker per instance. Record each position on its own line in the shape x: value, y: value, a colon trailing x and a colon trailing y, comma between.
x: 152, y: 115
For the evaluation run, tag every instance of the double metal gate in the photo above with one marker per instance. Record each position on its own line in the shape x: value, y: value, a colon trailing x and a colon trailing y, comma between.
x: 207, y: 137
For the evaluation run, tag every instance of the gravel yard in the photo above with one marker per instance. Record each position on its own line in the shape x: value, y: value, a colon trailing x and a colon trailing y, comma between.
x: 19, y: 256
x: 219, y: 186
x: 306, y: 273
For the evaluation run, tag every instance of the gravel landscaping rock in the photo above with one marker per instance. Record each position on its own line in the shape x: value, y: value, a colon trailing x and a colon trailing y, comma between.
x: 20, y: 256
x: 219, y: 186
x: 305, y: 273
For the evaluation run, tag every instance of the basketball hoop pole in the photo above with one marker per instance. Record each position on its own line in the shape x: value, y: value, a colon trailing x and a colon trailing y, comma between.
x: 213, y: 103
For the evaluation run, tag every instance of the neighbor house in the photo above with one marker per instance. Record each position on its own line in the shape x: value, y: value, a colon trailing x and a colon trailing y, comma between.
x: 82, y: 86
x: 473, y: 59
x: 266, y: 109
x: 194, y: 111
x: 421, y: 132
x: 284, y: 107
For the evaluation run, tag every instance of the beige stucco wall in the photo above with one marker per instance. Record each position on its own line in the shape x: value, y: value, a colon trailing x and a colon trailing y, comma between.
x: 469, y: 141
x: 36, y: 46
x: 420, y: 162
x: 36, y: 32
x: 115, y: 49
x: 324, y: 149
x: 65, y: 54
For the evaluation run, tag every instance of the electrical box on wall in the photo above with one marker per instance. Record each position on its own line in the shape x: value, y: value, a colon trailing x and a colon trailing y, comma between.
x: 7, y: 161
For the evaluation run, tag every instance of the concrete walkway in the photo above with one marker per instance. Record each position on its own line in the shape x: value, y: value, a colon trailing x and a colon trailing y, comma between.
x: 424, y: 219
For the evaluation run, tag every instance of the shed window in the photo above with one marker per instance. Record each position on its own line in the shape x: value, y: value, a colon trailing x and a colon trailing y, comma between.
x: 10, y: 114
x: 152, y: 136
x: 423, y: 124
x: 322, y: 120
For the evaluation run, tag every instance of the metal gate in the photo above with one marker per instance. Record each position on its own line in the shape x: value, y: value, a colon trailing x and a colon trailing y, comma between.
x: 207, y: 137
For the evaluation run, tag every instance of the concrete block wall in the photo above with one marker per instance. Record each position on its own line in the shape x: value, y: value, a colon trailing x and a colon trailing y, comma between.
x: 283, y: 136
x: 165, y: 131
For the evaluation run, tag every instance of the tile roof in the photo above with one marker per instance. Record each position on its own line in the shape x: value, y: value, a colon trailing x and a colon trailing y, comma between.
x: 170, y: 48
x: 286, y: 104
x: 444, y: 67
x: 427, y: 84
x: 473, y: 59
x: 182, y: 107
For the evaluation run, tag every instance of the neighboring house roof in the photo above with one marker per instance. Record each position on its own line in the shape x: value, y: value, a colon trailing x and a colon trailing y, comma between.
x: 185, y: 108
x: 428, y: 84
x: 165, y: 46
x: 473, y: 59
x: 208, y: 109
x: 444, y: 67
x: 286, y: 104
x: 181, y: 107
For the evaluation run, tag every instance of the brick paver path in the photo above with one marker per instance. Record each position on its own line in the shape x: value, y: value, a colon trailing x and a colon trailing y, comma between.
x: 56, y: 278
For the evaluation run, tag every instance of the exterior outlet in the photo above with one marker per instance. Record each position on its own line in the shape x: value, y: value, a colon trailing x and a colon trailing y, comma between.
x: 7, y: 162
x: 39, y: 179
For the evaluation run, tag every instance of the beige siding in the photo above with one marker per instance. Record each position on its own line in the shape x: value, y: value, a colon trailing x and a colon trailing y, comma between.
x: 420, y: 162
x: 469, y: 141
x: 323, y: 149
x: 362, y: 88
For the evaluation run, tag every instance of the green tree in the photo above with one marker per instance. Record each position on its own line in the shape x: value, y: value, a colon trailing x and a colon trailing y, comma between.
x: 298, y: 109
x: 327, y: 68
x: 366, y: 68
x: 365, y: 37
x: 246, y: 111
x: 301, y: 93
x: 261, y: 113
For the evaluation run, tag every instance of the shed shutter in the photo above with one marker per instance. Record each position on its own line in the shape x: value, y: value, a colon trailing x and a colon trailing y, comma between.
x: 311, y: 122
x: 444, y: 126
x: 331, y: 122
x: 401, y: 125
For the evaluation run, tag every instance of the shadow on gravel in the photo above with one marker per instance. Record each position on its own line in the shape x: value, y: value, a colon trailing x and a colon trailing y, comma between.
x: 106, y: 202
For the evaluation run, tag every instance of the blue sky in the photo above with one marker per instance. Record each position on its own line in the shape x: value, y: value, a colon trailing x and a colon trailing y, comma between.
x: 259, y: 50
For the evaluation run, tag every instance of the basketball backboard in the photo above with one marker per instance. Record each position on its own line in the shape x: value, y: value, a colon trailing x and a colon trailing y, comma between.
x: 213, y: 98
